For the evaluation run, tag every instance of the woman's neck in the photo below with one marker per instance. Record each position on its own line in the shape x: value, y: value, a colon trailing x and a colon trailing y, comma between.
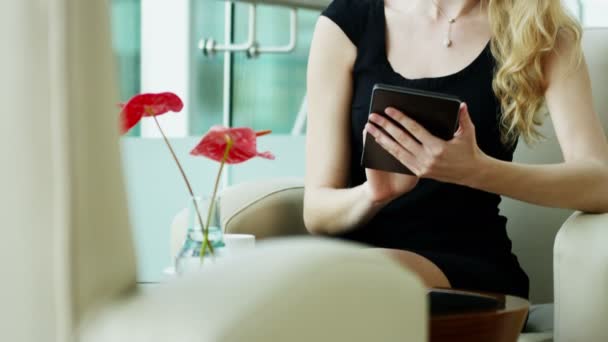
x: 437, y: 9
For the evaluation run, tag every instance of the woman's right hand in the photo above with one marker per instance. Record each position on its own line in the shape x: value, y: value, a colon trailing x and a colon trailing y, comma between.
x: 383, y: 187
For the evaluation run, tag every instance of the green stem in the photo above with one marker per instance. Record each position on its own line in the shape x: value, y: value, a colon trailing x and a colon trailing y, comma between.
x: 181, y: 170
x: 212, y: 201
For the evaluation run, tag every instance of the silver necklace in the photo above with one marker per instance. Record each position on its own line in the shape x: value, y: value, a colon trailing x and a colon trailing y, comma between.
x: 451, y: 20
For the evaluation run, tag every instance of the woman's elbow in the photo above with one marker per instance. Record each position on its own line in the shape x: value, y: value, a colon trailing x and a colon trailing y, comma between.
x: 313, y: 218
x: 312, y: 222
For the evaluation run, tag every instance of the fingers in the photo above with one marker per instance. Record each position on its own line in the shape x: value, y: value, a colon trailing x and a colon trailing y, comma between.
x: 397, y: 133
x: 465, y: 124
x: 397, y: 150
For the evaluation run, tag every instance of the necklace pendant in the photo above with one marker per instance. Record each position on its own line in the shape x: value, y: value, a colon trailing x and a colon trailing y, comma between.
x: 447, y: 42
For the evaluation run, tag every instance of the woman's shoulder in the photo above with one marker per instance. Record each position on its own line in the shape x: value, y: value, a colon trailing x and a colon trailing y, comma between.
x: 352, y: 6
x: 352, y: 16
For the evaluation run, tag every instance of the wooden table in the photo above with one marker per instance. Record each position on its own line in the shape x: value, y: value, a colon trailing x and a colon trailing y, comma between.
x: 502, y: 325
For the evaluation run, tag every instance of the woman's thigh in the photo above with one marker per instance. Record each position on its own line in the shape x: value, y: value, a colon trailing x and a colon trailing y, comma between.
x: 430, y: 274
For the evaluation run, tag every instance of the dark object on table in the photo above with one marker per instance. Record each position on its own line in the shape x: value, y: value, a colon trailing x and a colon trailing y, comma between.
x: 447, y: 301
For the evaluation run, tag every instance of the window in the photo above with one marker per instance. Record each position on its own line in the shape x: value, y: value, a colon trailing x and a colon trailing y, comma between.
x: 207, y: 73
x: 268, y: 90
x: 126, y: 37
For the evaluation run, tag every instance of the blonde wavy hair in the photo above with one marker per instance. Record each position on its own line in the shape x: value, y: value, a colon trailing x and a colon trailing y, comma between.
x: 525, y: 32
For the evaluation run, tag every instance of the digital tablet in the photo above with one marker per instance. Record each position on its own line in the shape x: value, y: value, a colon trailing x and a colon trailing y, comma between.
x: 436, y: 112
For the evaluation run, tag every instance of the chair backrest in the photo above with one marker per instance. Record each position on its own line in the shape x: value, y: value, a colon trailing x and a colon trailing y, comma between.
x: 533, y: 228
x: 266, y: 208
x: 65, y: 242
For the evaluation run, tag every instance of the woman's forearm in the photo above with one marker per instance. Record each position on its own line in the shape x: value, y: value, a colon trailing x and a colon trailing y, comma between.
x: 333, y: 211
x: 573, y: 185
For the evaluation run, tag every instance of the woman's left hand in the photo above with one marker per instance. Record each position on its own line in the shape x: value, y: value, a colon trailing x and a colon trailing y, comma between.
x: 457, y: 160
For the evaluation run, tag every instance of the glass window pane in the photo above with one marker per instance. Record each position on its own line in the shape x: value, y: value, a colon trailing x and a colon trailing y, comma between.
x: 269, y: 90
x: 126, y: 41
x: 206, y: 83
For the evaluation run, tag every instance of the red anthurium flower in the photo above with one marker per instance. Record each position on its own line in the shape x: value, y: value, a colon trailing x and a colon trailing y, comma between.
x: 244, y: 147
x: 148, y: 104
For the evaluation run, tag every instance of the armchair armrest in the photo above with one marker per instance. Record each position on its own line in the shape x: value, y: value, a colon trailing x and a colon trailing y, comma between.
x: 295, y: 289
x: 581, y: 278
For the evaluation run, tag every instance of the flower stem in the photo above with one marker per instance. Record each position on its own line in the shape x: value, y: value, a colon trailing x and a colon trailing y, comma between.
x: 181, y: 170
x: 229, y: 143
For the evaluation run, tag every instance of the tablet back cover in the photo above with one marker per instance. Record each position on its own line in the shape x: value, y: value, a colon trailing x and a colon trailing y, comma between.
x: 437, y: 112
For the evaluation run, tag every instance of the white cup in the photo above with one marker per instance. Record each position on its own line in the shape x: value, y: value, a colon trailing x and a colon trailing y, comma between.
x: 236, y: 243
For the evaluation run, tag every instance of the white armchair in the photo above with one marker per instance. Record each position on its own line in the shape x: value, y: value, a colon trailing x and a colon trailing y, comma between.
x: 575, y: 264
x: 66, y: 249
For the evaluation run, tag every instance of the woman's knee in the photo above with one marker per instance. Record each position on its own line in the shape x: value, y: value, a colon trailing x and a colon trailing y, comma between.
x: 430, y: 274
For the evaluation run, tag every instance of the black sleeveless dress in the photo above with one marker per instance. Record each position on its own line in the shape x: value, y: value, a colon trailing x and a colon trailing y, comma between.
x: 458, y: 228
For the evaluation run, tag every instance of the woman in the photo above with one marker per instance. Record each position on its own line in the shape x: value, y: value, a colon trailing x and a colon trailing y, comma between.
x: 508, y: 60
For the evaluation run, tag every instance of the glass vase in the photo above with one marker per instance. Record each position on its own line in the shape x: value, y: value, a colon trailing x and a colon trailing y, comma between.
x: 189, y: 257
